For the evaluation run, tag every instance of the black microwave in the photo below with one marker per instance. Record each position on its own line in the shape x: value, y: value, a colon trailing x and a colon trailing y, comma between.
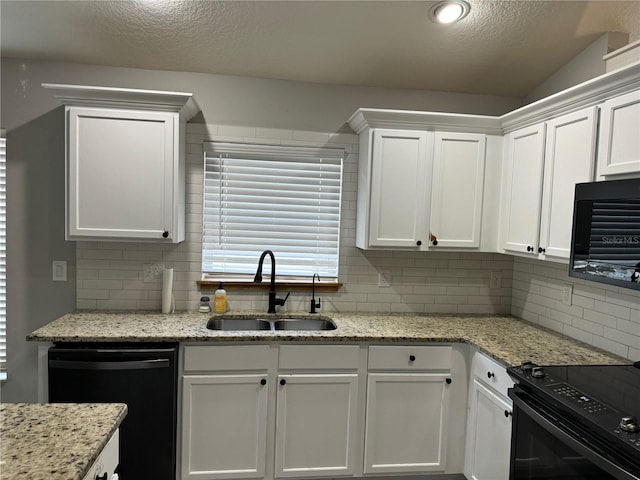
x: 605, y: 240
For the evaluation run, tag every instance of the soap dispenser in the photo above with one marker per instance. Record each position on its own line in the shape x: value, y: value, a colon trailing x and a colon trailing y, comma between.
x: 220, y: 300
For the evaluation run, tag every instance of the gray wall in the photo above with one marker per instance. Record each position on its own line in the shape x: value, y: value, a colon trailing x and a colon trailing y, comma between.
x: 35, y: 237
x: 586, y: 65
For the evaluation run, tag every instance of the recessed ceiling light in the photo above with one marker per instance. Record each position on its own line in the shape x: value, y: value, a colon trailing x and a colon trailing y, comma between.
x: 449, y: 11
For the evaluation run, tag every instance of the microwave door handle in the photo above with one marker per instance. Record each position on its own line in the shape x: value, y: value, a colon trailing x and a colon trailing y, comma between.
x: 589, y: 454
x: 97, y: 365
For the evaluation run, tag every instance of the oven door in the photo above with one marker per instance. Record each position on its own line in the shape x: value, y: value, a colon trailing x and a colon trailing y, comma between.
x: 545, y: 446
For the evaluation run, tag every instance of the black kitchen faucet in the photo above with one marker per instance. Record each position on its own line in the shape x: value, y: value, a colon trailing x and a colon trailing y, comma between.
x: 273, y: 300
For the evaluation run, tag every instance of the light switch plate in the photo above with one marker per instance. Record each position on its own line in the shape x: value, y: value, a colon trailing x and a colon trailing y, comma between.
x: 59, y: 270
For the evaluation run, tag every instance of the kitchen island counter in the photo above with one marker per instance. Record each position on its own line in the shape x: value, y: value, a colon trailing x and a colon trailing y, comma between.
x: 507, y: 339
x: 57, y: 441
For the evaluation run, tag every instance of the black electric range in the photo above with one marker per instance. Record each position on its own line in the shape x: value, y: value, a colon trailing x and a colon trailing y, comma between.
x: 593, y: 409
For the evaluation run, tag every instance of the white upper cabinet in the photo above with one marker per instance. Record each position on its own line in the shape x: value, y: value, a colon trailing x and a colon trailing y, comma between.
x: 420, y: 187
x: 619, y: 145
x: 125, y: 177
x: 524, y: 159
x: 569, y: 159
x: 457, y: 189
x: 543, y: 163
x: 399, y: 169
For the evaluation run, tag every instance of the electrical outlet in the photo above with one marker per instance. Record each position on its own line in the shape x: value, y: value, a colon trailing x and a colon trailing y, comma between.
x: 567, y: 294
x: 152, y: 272
x: 384, y: 278
x: 495, y: 280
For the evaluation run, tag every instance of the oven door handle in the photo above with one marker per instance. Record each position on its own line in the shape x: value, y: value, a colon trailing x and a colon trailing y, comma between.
x: 570, y: 441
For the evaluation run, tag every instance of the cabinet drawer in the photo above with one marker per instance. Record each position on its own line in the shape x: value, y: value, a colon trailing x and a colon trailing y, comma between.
x: 491, y: 373
x: 231, y: 357
x: 409, y: 358
x: 107, y: 461
x: 319, y: 357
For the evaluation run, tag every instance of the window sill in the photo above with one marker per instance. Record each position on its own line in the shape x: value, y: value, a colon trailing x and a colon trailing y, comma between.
x: 325, y: 286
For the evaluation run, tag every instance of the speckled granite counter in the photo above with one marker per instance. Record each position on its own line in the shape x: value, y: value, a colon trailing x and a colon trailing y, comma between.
x: 54, y: 441
x: 506, y: 339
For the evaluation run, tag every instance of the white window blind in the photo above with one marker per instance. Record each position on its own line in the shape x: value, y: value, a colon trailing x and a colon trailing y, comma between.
x: 284, y: 199
x: 3, y: 259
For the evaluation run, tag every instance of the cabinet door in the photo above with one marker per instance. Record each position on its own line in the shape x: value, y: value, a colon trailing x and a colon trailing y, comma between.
x: 569, y: 159
x: 406, y: 423
x: 316, y: 425
x: 107, y: 462
x: 120, y: 174
x: 488, y: 435
x: 619, y: 147
x: 399, y: 202
x: 523, y: 189
x: 457, y: 186
x: 224, y: 420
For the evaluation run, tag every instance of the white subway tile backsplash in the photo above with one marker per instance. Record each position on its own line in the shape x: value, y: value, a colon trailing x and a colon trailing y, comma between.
x: 607, y: 317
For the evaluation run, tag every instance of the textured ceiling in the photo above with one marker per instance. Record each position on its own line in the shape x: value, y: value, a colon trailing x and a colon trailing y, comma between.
x: 502, y: 47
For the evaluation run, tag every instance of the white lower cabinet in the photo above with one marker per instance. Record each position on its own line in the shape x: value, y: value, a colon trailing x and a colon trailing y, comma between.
x: 316, y: 425
x: 106, y: 463
x: 224, y: 426
x: 406, y: 426
x: 224, y: 411
x: 488, y: 438
x: 407, y: 412
x: 300, y: 410
x: 261, y: 411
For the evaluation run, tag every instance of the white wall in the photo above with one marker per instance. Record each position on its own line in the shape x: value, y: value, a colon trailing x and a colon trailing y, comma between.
x: 110, y: 274
x: 604, y: 316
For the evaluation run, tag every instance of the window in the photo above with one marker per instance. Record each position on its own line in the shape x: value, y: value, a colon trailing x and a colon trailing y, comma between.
x: 284, y: 199
x: 3, y: 259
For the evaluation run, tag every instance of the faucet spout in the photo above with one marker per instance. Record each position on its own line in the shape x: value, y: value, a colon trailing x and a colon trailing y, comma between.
x: 314, y: 304
x: 273, y: 299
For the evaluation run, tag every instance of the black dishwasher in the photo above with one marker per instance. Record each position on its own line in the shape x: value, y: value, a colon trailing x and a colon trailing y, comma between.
x: 141, y: 375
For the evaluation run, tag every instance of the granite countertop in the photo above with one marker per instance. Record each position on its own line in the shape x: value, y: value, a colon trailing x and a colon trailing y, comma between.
x: 56, y: 441
x: 506, y: 339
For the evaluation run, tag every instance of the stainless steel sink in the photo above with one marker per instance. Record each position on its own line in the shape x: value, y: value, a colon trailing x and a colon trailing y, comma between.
x: 319, y: 323
x: 236, y: 324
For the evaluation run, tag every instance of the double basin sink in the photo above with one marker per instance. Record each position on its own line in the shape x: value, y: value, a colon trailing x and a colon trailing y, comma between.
x: 231, y: 324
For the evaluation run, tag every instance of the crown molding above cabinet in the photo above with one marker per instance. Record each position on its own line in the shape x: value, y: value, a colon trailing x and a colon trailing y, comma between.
x: 589, y: 93
x: 111, y: 97
x: 586, y: 94
x: 364, y: 118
